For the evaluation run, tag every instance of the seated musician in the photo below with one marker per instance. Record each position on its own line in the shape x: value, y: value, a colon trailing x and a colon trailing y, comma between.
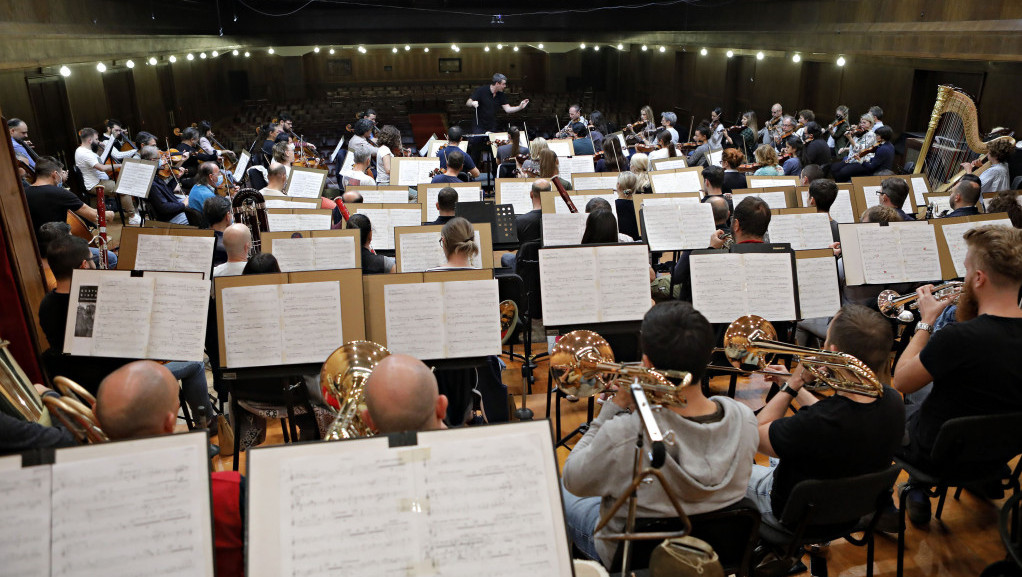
x: 597, y: 203
x: 718, y: 132
x: 363, y: 129
x: 390, y: 146
x: 238, y: 244
x: 639, y: 166
x: 836, y: 137
x: 666, y: 149
x: 816, y: 149
x: 793, y: 148
x: 18, y: 129
x: 822, y: 194
x: 843, y: 435
x: 356, y: 175
x: 967, y: 379
x: 44, y: 236
x: 513, y: 148
x: 453, y: 140
x: 996, y: 177
x: 868, y: 164
x: 269, y: 133
x: 205, y: 143
x: 446, y: 205
x: 575, y: 123
x: 261, y: 263
x: 772, y: 126
x: 1007, y: 201
x: 787, y: 129
x: 804, y: 117
x: 190, y: 144
x: 96, y: 173
x: 878, y: 114
x: 766, y: 155
x: 283, y: 155
x: 730, y: 160
x: 276, y: 180
x: 372, y: 263
x: 452, y: 168
x: 965, y: 196
x: 17, y: 435
x: 529, y: 226
x: 893, y: 193
x: 861, y: 138
x: 648, y: 129
x: 667, y: 121
x: 207, y: 179
x: 457, y: 238
x: 810, y: 173
x: 713, y: 183
x: 217, y: 210
x: 708, y: 463
x: 49, y: 201
x: 115, y: 132
x: 601, y: 228
x: 144, y: 139
x: 550, y: 167
x: 401, y: 394
x: 582, y: 144
x: 167, y: 207
x: 701, y: 155
x: 613, y: 159
x: 598, y: 128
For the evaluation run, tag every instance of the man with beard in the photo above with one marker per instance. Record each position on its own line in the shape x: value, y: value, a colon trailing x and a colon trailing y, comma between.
x: 967, y: 380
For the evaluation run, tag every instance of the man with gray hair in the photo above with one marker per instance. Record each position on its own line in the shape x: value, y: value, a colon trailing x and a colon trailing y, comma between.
x: 356, y: 175
x: 402, y: 395
x: 668, y: 120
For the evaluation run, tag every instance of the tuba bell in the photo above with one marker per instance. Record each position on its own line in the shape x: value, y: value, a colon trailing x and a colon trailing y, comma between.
x: 249, y: 208
x: 343, y: 380
x: 18, y: 398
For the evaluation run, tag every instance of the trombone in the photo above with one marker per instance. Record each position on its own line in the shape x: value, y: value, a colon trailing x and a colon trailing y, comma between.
x: 751, y: 341
x: 582, y: 364
x: 343, y: 380
x: 900, y: 307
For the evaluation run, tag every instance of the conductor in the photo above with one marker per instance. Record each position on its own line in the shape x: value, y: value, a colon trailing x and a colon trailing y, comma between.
x: 485, y: 100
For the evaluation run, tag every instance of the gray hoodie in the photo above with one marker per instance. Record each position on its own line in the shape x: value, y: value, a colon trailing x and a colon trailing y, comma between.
x: 708, y: 465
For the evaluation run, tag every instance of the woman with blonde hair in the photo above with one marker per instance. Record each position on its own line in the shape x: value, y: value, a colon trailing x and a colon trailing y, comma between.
x: 626, y: 185
x: 640, y: 167
x: 767, y: 156
x: 531, y: 166
x: 457, y: 238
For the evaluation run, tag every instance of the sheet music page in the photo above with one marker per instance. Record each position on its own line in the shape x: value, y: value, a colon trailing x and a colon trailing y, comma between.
x: 313, y: 221
x: 678, y: 226
x: 334, y: 252
x: 136, y: 177
x: 252, y: 326
x: 841, y: 210
x: 670, y: 163
x: 177, y: 326
x: 819, y: 294
x: 624, y: 147
x: 623, y: 274
x: 174, y: 253
x: 715, y: 157
x: 421, y: 251
x: 142, y: 513
x: 956, y: 244
x: 384, y: 196
x: 595, y: 182
x: 718, y: 286
x: 383, y: 229
x: 870, y: 193
x: 465, y: 194
x: 294, y: 254
x: 769, y: 286
x: 653, y: 200
x: 472, y: 318
x: 563, y: 228
x: 107, y: 147
x: 306, y: 184
x: 241, y: 166
x: 416, y: 171
x: 568, y: 285
x: 310, y: 321
x: 576, y: 165
x: 415, y: 319
x: 123, y: 317
x: 943, y: 204
x: 881, y: 261
x: 917, y: 245
x: 516, y: 194
x: 801, y: 231
x: 563, y: 148
x: 919, y: 186
x: 675, y: 182
x: 762, y: 183
x: 282, y: 222
x: 284, y: 202
x: 401, y: 217
x: 773, y: 199
x: 349, y: 160
x: 25, y: 501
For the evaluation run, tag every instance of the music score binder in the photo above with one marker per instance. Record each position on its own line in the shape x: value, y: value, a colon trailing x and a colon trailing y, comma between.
x: 417, y: 248
x: 166, y: 249
x: 314, y: 250
x: 594, y: 283
x: 756, y: 279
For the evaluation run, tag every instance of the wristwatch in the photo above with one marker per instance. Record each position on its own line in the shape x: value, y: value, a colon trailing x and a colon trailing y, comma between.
x: 921, y: 326
x: 786, y: 388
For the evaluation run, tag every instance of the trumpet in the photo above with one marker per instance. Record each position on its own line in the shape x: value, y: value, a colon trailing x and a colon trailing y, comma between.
x: 582, y: 364
x: 900, y: 307
x: 751, y: 341
x: 343, y: 380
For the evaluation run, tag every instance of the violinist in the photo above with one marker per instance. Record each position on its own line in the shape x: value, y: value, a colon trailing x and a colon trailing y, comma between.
x: 717, y: 129
x: 747, y: 136
x: 453, y: 142
x: 878, y: 115
x: 730, y: 160
x: 189, y: 147
x: 95, y: 173
x: 207, y: 139
x: 836, y: 137
x: 356, y: 175
x: 666, y: 148
x: 644, y: 124
x: 530, y: 166
x: 772, y: 128
x: 390, y: 146
x: 513, y: 148
x: 597, y: 128
x: 861, y: 138
x: 144, y: 139
x: 701, y: 155
x: 363, y: 129
x: 867, y: 160
x: 613, y: 159
x: 164, y: 191
x: 787, y: 128
x: 793, y: 153
x: 576, y: 124
x: 268, y: 133
x: 582, y: 145
x: 667, y: 121
x: 20, y: 143
x: 804, y: 117
x: 816, y: 151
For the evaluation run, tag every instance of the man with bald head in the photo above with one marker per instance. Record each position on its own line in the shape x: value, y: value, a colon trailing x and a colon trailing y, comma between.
x: 402, y: 395
x: 139, y: 399
x: 238, y: 243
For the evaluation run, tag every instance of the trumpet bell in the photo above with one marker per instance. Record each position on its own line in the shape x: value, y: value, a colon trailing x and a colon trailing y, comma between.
x: 343, y: 380
x: 738, y: 342
x: 573, y: 360
x: 886, y: 302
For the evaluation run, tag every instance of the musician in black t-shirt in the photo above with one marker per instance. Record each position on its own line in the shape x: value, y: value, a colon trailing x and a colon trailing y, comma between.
x: 48, y: 201
x: 966, y: 361
x: 486, y: 100
x: 372, y: 263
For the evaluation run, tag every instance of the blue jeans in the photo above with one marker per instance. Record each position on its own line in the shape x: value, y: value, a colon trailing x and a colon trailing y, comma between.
x: 192, y: 375
x: 508, y: 260
x: 761, y: 483
x: 179, y: 218
x: 111, y: 258
x: 582, y: 514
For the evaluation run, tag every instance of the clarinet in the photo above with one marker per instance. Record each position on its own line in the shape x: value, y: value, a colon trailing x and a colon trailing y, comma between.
x: 101, y: 224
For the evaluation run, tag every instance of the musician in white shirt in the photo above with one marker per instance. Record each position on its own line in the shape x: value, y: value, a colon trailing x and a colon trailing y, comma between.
x: 356, y: 175
x: 95, y: 173
x: 667, y: 121
x: 238, y: 242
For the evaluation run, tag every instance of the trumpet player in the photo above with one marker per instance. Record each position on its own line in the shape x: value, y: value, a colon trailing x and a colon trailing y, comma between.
x: 843, y: 435
x: 967, y: 379
x: 710, y: 442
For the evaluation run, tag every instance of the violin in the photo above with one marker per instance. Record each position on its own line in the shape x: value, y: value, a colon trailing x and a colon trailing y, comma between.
x: 168, y: 168
x: 749, y: 167
x: 436, y: 172
x: 645, y: 148
x: 866, y: 151
x: 855, y: 131
x: 687, y: 146
x: 638, y: 125
x: 735, y: 127
x: 228, y: 187
x: 833, y: 126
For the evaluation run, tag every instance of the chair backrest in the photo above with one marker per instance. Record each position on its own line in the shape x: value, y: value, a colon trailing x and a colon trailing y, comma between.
x: 978, y: 439
x: 506, y: 170
x: 832, y: 502
x: 626, y: 223
x: 512, y: 287
x: 527, y: 267
x: 256, y: 179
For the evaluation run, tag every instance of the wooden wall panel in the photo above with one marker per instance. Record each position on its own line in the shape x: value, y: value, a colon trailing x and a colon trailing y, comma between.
x: 14, y: 98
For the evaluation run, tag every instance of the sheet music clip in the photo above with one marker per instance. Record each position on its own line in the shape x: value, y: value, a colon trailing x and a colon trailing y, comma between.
x: 403, y: 439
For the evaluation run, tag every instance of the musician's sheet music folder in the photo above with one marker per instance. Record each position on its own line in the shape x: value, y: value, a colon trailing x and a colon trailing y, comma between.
x: 480, y: 501
x: 596, y: 283
x: 755, y: 278
x: 139, y: 507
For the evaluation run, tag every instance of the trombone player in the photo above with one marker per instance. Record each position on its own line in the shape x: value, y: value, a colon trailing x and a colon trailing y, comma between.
x: 710, y: 442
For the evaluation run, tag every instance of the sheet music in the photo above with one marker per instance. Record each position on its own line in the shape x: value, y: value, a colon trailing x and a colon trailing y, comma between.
x: 282, y: 222
x: 472, y: 318
x: 624, y: 282
x: 563, y: 148
x: 576, y: 164
x: 900, y: 252
x: 715, y: 157
x: 239, y: 169
x: 316, y: 253
x: 415, y: 319
x: 294, y: 254
x: 943, y: 204
x: 25, y: 539
x: 136, y: 177
x: 657, y: 200
x: 415, y: 171
x: 563, y: 228
x: 315, y: 221
x: 595, y: 182
x: 306, y: 183
x: 252, y: 326
x: 310, y: 314
x: 624, y: 147
x: 172, y: 337
x: 142, y: 513
x: 727, y: 286
x: 956, y: 244
x: 819, y: 294
x: 421, y: 251
x: 678, y: 226
x: 465, y: 194
x: 174, y: 253
x: 517, y: 194
x: 776, y: 199
x: 107, y: 147
x: 123, y: 309
x: 870, y: 193
x: 687, y: 181
x: 801, y: 231
x: 349, y: 161
x: 670, y: 163
x: 285, y: 202
x: 919, y: 186
x: 581, y: 200
x: 841, y: 211
x: 568, y: 285
x: 384, y: 196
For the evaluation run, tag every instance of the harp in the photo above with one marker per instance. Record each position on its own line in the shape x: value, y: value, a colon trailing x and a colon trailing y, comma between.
x: 952, y: 138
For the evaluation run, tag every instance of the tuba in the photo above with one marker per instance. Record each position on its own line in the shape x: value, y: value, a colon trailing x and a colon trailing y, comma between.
x: 343, y: 380
x: 249, y: 209
x: 18, y: 398
x: 582, y: 364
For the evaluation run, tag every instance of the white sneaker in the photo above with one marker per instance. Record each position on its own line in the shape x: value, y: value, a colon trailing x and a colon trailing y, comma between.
x: 135, y: 220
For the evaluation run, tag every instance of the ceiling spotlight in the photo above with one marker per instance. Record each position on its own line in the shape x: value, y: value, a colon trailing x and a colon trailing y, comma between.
x: 704, y: 52
x: 331, y: 51
x: 663, y: 49
x: 645, y: 48
x: 426, y: 49
x: 516, y: 49
x: 362, y: 49
x: 234, y: 52
x: 796, y: 58
x: 455, y: 48
x: 407, y: 48
x: 202, y: 55
x: 486, y: 48
x: 759, y: 56
x: 270, y: 50
x: 540, y: 46
x: 190, y: 56
x: 841, y: 61
x: 316, y: 50
x: 596, y: 48
x: 247, y: 54
x: 172, y: 59
x: 101, y: 67
x: 215, y: 54
x: 65, y: 71
x: 582, y: 46
x: 620, y: 46
x: 130, y: 64
x: 500, y: 47
x: 730, y: 53
x: 394, y: 50
x: 152, y: 61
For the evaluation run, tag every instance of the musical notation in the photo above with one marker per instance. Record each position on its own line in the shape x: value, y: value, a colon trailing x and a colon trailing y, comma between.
x: 594, y: 284
x: 174, y: 253
x: 315, y: 253
x: 801, y: 231
x: 25, y: 538
x: 819, y: 293
x: 899, y: 252
x: 682, y: 224
x: 726, y: 286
